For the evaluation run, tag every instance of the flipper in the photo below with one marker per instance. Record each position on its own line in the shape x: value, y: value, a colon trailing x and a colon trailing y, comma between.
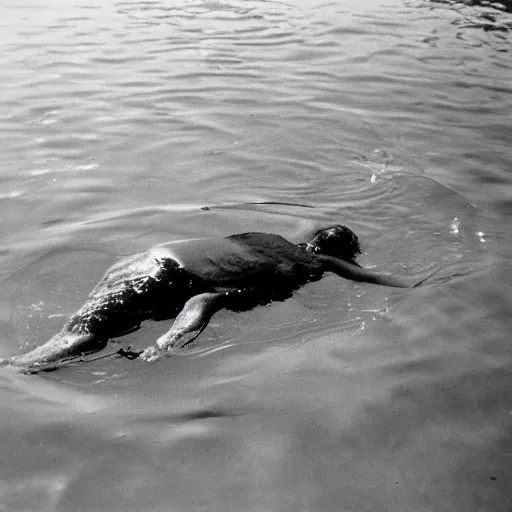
x: 189, y: 323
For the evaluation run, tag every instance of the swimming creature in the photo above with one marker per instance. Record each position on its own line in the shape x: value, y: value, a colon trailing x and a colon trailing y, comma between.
x: 192, y: 279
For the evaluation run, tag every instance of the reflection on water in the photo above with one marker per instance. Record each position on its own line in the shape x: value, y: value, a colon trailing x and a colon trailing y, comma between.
x: 484, y: 6
x: 120, y: 122
x: 481, y: 15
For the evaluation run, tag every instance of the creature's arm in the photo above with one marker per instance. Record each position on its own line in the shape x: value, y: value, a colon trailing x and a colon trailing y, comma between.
x: 189, y: 323
x: 356, y: 273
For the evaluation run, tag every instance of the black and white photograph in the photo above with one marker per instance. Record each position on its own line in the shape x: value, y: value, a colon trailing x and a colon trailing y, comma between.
x: 255, y: 256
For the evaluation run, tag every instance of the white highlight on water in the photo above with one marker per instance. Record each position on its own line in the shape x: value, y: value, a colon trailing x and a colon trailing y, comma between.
x: 87, y: 167
x: 454, y: 226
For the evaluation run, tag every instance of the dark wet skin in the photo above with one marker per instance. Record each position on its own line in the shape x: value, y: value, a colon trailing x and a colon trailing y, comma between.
x: 249, y: 260
x: 191, y: 280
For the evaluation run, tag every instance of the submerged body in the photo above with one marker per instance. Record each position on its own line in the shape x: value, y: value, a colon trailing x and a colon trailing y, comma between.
x: 156, y: 284
x: 192, y: 279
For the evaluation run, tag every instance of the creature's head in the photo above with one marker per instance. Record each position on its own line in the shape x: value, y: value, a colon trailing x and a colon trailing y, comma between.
x: 338, y: 241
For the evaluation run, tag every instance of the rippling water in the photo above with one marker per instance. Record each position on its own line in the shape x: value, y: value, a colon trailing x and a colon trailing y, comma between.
x: 120, y: 120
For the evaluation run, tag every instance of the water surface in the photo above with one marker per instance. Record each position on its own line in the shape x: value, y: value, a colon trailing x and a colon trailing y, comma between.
x: 120, y: 120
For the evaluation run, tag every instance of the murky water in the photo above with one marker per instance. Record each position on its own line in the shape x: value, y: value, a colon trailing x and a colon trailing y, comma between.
x: 120, y: 120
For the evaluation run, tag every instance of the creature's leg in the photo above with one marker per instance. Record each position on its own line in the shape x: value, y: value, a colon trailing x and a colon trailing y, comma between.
x: 63, y: 344
x: 189, y: 323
